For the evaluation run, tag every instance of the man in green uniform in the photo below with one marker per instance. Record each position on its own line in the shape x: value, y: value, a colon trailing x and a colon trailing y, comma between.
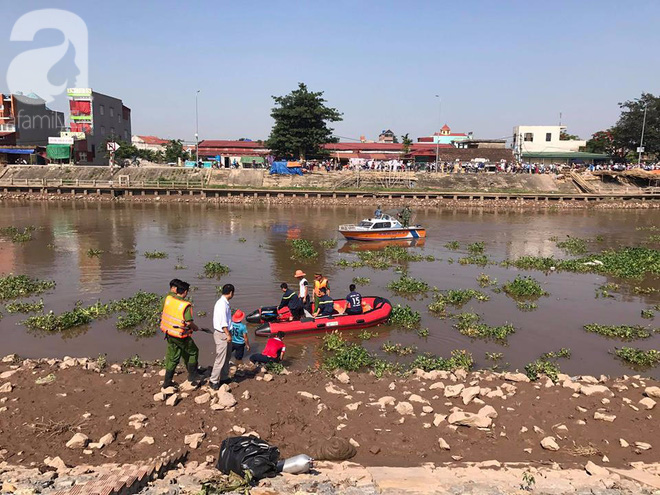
x: 178, y: 325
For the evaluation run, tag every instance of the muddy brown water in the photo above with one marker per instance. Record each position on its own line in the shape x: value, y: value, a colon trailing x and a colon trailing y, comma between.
x: 193, y: 234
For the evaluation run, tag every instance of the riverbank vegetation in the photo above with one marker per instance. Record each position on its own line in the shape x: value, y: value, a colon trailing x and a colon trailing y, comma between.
x: 547, y: 365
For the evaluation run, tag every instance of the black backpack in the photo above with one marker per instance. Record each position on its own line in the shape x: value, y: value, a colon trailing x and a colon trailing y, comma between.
x: 241, y: 455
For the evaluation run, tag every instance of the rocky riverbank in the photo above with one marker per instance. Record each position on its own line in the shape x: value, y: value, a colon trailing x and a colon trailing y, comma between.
x: 340, y: 200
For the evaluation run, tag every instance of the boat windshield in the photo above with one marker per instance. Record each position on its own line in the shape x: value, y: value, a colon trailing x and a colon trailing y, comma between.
x: 364, y: 224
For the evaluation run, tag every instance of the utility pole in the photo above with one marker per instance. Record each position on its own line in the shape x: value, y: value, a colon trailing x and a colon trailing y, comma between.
x: 437, y: 142
x: 641, y: 141
x: 196, y: 129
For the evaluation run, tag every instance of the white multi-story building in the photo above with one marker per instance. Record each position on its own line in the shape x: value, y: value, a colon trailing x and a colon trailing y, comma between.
x: 543, y: 144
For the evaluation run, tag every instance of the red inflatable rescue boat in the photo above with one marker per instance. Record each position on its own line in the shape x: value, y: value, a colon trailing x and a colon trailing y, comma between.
x: 376, y: 310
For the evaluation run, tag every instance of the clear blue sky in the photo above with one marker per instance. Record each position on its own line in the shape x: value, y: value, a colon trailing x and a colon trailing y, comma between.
x: 495, y: 64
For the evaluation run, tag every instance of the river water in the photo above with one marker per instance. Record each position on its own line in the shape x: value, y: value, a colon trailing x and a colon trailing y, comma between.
x: 193, y: 234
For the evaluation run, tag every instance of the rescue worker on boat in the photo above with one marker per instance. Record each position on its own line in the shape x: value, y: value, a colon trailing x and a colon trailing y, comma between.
x: 176, y: 322
x: 353, y: 301
x: 319, y: 282
x: 326, y: 304
x: 291, y: 300
x: 303, y: 291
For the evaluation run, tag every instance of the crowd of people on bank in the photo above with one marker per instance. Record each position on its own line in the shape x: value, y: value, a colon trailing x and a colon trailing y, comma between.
x: 229, y: 330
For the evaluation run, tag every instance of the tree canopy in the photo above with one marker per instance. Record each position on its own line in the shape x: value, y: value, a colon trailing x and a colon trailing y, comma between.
x: 628, y: 129
x: 174, y: 150
x: 301, y: 124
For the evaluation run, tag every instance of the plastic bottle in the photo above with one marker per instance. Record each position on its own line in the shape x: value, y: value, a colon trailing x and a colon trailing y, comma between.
x: 297, y: 464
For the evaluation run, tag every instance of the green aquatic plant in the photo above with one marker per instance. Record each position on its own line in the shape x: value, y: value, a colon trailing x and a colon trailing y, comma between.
x: 366, y: 335
x: 79, y: 315
x: 15, y: 286
x: 477, y: 259
x: 494, y: 356
x: 526, y: 306
x: 242, y: 239
x: 134, y: 361
x: 94, y: 253
x: 625, y: 263
x: 275, y: 368
x: 404, y: 317
x: 460, y: 359
x: 215, y: 269
x: 470, y: 324
x: 605, y: 289
x: 452, y: 245
x: 524, y: 287
x: 644, y: 290
x: 140, y: 313
x: 485, y: 281
x: 398, y: 348
x: 648, y: 314
x: 476, y: 247
x: 573, y: 245
x: 344, y: 355
x: 155, y: 255
x: 408, y: 285
x: 302, y: 249
x: 361, y: 280
x: 638, y: 358
x: 25, y: 307
x: 622, y: 332
x: 329, y: 243
x: 547, y: 365
x: 458, y: 297
x: 423, y: 332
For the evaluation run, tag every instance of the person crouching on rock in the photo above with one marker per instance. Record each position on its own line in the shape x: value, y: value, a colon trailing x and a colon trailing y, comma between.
x: 273, y: 352
x: 176, y: 322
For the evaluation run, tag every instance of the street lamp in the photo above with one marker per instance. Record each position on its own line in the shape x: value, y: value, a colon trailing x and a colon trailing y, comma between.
x: 196, y: 129
x: 437, y: 141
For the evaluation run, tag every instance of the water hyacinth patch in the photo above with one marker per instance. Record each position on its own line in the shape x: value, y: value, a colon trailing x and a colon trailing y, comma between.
x: 215, y: 269
x: 155, y: 255
x: 404, y: 317
x: 94, y: 253
x: 25, y: 307
x: 408, y: 285
x: 470, y: 324
x: 476, y: 247
x: 526, y: 306
x: 329, y: 243
x: 460, y: 359
x: 477, y: 259
x: 524, y: 287
x: 302, y: 249
x: 361, y: 280
x: 16, y: 235
x: 15, y: 286
x: 398, y: 348
x: 573, y: 245
x: 621, y: 332
x: 452, y: 245
x: 638, y: 358
x: 79, y: 315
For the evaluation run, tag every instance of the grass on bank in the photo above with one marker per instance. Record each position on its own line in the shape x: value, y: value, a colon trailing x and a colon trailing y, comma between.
x: 547, y: 365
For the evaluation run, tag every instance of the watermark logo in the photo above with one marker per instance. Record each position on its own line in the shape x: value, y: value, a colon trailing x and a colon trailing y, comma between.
x: 29, y: 71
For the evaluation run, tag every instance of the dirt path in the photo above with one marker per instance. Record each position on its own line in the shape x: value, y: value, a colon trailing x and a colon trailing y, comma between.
x: 392, y: 422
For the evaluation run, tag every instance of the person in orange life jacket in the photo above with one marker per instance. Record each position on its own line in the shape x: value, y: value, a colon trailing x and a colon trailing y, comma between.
x: 353, y: 301
x: 273, y: 352
x: 319, y: 281
x: 291, y: 300
x: 326, y: 304
x: 176, y: 322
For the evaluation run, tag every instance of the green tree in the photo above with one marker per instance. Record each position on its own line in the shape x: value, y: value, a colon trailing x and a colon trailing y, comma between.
x: 301, y: 124
x: 174, y: 150
x: 565, y: 136
x: 628, y: 129
x: 407, y: 143
x: 602, y: 142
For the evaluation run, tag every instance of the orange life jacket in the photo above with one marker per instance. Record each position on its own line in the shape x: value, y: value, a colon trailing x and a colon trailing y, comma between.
x: 172, y: 320
x: 318, y: 284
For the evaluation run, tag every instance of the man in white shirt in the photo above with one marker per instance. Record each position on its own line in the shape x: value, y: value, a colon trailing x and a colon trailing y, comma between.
x: 222, y: 338
x: 303, y: 291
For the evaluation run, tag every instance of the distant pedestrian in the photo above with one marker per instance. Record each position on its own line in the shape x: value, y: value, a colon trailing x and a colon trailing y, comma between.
x: 222, y: 338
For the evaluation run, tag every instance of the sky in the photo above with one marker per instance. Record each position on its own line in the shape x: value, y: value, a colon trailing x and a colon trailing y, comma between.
x: 493, y: 64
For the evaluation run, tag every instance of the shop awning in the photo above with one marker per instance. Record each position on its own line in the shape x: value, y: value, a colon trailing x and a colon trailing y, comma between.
x: 58, y: 151
x: 17, y: 151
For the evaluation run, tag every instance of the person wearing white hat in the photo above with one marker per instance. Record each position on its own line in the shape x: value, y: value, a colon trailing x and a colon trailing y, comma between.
x: 303, y: 290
